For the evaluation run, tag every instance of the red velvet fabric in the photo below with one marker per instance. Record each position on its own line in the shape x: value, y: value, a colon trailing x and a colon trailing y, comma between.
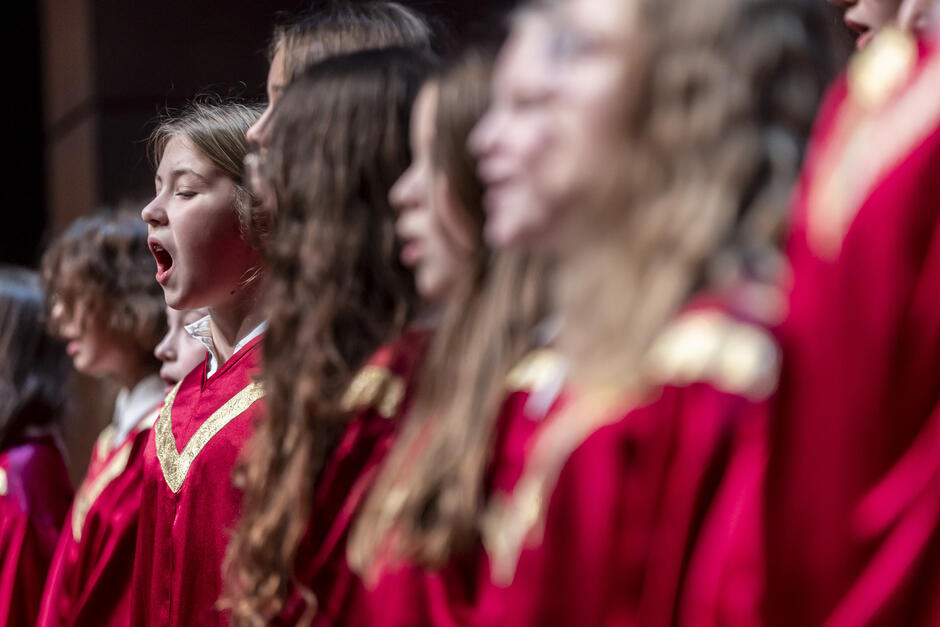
x: 183, y: 535
x: 90, y: 579
x: 654, y: 520
x: 853, y: 508
x: 33, y: 503
x: 340, y: 490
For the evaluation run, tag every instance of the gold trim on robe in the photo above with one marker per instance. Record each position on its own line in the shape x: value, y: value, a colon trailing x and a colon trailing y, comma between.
x: 88, y: 493
x: 3, y: 482
x: 875, y: 129
x: 539, y: 367
x: 174, y: 464
x: 376, y: 387
x: 698, y: 346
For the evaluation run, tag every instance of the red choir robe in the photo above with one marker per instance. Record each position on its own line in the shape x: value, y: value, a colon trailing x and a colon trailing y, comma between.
x: 327, y: 591
x: 407, y: 595
x: 90, y: 579
x: 189, y: 504
x: 642, y: 511
x: 853, y: 505
x: 35, y: 492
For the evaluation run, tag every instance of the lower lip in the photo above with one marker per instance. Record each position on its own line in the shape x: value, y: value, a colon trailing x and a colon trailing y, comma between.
x: 164, y: 275
x: 168, y: 383
x: 863, y: 39
x: 410, y: 254
x: 71, y: 348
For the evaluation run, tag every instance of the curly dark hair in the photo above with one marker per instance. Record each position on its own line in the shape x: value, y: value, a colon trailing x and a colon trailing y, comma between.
x: 33, y: 365
x: 101, y: 265
x: 338, y: 292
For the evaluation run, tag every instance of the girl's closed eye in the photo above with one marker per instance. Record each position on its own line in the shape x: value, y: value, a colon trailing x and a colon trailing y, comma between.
x: 185, y: 193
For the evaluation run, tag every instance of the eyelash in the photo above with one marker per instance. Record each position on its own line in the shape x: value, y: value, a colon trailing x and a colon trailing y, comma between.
x: 185, y: 194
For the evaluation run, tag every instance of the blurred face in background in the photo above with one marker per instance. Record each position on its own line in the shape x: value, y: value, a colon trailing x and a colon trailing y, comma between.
x: 94, y: 351
x: 437, y: 242
x: 867, y: 17
x: 259, y: 133
x: 511, y: 139
x: 595, y: 46
x: 178, y: 351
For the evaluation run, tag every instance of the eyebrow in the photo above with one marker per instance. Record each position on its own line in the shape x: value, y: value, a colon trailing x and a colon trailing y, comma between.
x: 181, y: 171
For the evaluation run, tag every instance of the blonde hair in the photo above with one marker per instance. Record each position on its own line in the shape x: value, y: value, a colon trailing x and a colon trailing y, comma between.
x: 217, y: 130
x: 717, y: 112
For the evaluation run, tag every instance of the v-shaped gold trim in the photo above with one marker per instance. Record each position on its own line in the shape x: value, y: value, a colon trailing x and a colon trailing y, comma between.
x: 88, y: 493
x: 175, y: 465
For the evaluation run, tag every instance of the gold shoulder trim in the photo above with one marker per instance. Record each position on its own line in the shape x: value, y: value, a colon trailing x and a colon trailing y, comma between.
x: 538, y: 368
x: 104, y: 442
x: 88, y: 493
x: 849, y: 168
x: 3, y: 482
x: 175, y: 465
x: 376, y: 387
x: 513, y: 521
x: 713, y: 347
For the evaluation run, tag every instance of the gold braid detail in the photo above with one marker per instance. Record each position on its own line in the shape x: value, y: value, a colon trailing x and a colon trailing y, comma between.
x: 376, y: 387
x: 175, y: 465
x: 88, y: 493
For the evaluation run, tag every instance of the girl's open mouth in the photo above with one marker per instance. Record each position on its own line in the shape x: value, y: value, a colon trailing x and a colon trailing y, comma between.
x: 164, y: 261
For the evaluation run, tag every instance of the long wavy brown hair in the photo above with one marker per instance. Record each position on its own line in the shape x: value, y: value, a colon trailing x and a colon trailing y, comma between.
x: 338, y: 292
x: 717, y: 112
x: 428, y: 495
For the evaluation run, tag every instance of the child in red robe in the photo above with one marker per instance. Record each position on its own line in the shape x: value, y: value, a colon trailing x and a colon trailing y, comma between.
x: 197, y: 234
x: 415, y: 576
x: 339, y: 294
x: 34, y: 484
x: 649, y: 143
x: 853, y: 523
x: 101, y: 268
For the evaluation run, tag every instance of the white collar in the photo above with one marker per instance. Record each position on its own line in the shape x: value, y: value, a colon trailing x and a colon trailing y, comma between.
x: 133, y: 405
x: 201, y: 331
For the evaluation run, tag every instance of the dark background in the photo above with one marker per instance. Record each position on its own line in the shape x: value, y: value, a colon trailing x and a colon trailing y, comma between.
x: 86, y: 79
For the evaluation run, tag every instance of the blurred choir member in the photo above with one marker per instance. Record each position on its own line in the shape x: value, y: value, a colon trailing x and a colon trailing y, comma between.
x: 867, y: 17
x: 854, y: 489
x: 670, y: 135
x: 335, y: 28
x: 339, y: 140
x: 416, y: 543
x: 178, y: 351
x: 34, y: 485
x: 197, y: 225
x: 104, y: 302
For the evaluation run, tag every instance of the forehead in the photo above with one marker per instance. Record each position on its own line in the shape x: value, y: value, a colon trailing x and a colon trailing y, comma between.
x: 425, y: 108
x: 278, y: 70
x: 524, y: 53
x: 601, y: 15
x: 181, y: 154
